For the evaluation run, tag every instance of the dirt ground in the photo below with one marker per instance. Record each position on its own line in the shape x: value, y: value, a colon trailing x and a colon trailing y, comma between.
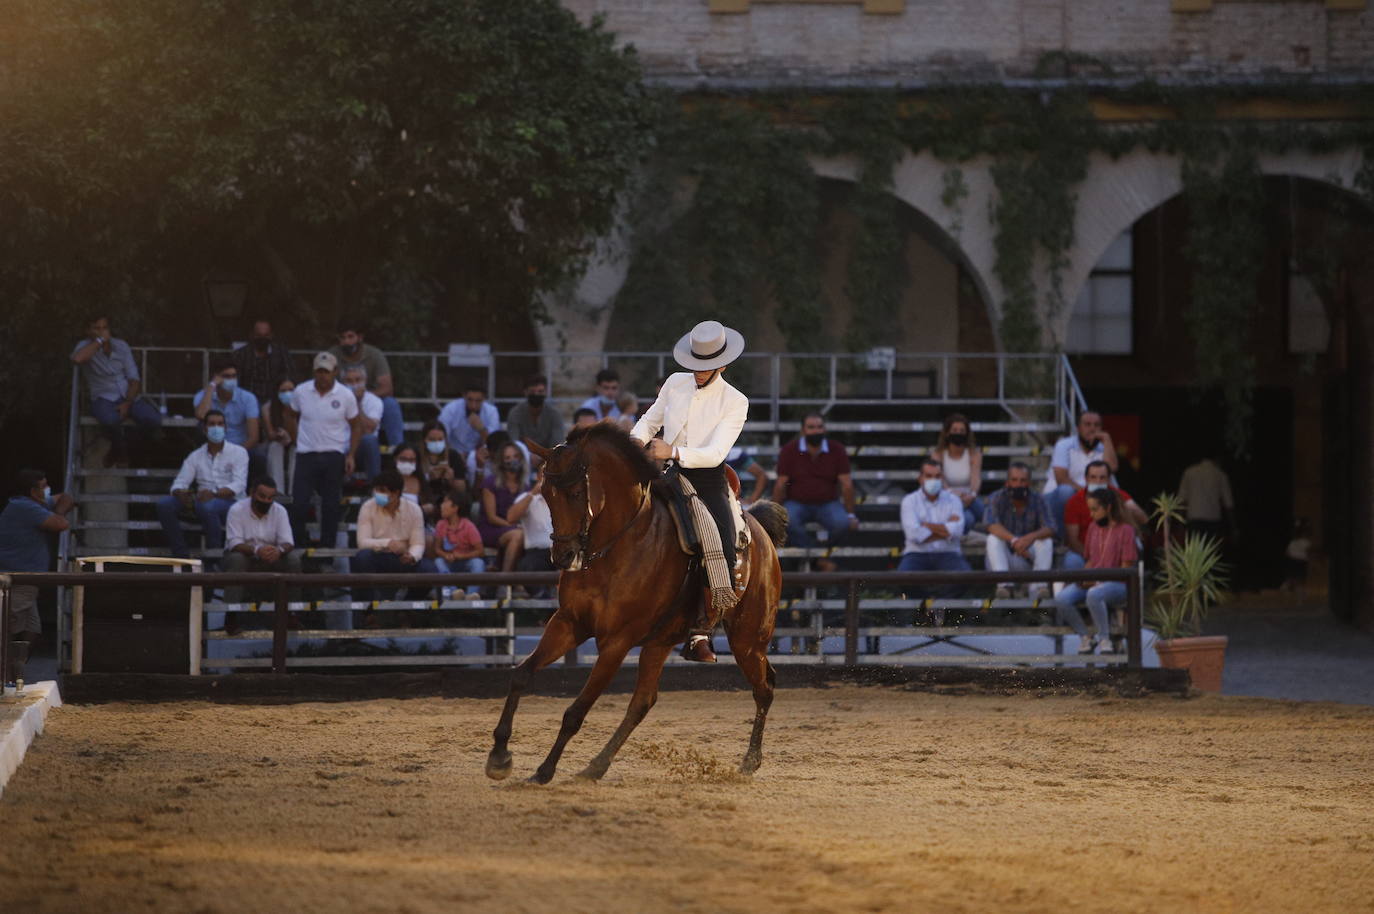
x: 869, y: 799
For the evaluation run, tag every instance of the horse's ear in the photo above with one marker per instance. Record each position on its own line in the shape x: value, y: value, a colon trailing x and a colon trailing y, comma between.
x: 537, y: 449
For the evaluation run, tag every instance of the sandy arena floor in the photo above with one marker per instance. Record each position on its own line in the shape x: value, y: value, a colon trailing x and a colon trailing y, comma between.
x: 869, y: 799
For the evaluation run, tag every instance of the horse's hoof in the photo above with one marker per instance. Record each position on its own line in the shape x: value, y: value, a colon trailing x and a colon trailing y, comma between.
x: 540, y: 778
x: 498, y: 765
x: 750, y: 764
x: 590, y: 773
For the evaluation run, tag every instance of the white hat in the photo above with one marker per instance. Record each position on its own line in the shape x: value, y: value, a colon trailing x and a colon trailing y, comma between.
x: 710, y: 345
x: 326, y: 360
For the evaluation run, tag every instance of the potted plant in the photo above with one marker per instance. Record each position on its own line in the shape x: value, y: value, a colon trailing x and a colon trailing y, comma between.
x: 1190, y: 581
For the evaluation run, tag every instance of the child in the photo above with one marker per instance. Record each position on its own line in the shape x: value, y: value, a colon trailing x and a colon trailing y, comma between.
x: 457, y: 544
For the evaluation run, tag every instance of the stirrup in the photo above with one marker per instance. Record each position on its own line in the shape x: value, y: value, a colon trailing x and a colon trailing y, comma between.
x: 698, y: 649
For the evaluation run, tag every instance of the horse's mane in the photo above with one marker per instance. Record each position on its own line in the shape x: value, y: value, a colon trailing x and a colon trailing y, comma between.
x: 619, y: 440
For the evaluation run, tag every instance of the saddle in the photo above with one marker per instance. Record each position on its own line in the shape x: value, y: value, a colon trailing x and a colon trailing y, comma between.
x: 688, y: 537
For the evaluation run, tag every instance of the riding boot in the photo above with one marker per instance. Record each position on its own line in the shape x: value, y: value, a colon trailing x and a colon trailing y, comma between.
x: 698, y: 646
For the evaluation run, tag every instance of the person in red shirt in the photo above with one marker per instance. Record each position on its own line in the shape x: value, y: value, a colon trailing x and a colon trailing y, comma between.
x: 1110, y: 543
x: 810, y: 467
x: 1098, y: 476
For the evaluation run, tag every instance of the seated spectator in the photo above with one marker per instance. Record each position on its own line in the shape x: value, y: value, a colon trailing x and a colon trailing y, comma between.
x: 281, y: 421
x: 1110, y: 543
x: 369, y: 418
x: 531, y: 512
x: 498, y: 496
x: 457, y: 543
x: 584, y: 417
x: 933, y: 521
x: 470, y: 420
x: 30, y: 516
x: 240, y: 408
x: 482, y: 466
x: 1020, y: 531
x: 534, y: 419
x: 352, y: 350
x: 112, y: 380
x: 262, y: 364
x: 753, y: 478
x: 628, y: 404
x: 259, y: 539
x: 1069, y: 465
x: 963, y: 465
x: 211, y: 479
x: 415, y: 488
x: 391, y: 536
x: 810, y: 467
x: 603, y: 402
x: 1098, y: 476
x: 440, y: 465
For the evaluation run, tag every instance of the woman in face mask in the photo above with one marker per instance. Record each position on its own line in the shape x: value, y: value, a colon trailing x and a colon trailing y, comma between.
x: 1109, y: 543
x: 962, y: 463
x: 281, y: 434
x: 440, y: 465
x: 499, y: 493
x: 414, y: 488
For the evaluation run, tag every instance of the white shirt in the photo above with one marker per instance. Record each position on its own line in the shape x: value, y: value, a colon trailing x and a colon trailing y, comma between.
x: 244, y: 526
x: 371, y: 407
x: 536, y: 522
x: 918, y: 510
x: 1069, y: 455
x: 1205, y: 491
x: 701, y: 424
x: 325, y: 418
x: 377, y: 527
x: 226, y: 470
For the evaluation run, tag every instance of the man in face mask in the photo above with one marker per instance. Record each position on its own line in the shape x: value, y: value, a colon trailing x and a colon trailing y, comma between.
x: 391, y: 535
x: 1020, y: 532
x: 262, y: 363
x: 607, y: 391
x: 240, y: 408
x: 370, y: 412
x: 470, y: 420
x: 211, y: 478
x: 258, y: 539
x: 810, y: 468
x: 1072, y: 454
x: 1097, y: 476
x: 933, y: 521
x: 352, y: 350
x: 534, y: 418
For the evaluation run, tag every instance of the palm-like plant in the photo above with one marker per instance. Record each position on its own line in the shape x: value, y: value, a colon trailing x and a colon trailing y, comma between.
x: 1191, y: 580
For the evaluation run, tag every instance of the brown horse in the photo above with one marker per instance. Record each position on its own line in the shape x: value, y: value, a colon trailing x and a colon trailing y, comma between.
x: 627, y: 583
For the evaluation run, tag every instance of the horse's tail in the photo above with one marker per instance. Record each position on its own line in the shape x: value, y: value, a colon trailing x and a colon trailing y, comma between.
x: 773, y: 518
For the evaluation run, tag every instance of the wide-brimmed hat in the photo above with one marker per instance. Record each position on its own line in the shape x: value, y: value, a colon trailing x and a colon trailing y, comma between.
x: 710, y: 345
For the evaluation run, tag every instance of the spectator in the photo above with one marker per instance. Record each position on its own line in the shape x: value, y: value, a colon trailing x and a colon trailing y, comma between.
x: 352, y: 350
x: 280, y: 418
x: 531, y: 512
x: 370, y: 413
x: 1020, y: 531
x: 457, y: 543
x: 112, y: 380
x: 1205, y: 491
x: 441, y: 466
x: 470, y: 420
x: 809, y: 468
x: 1097, y: 476
x: 962, y: 462
x: 744, y: 462
x: 628, y: 404
x: 584, y: 417
x: 326, y: 448
x: 603, y: 402
x: 534, y: 420
x: 211, y: 479
x: 498, y: 496
x: 1068, y: 467
x: 391, y: 536
x: 1110, y: 543
x: 414, y: 487
x: 259, y: 539
x: 933, y: 521
x: 261, y: 364
x: 482, y: 467
x: 29, y: 517
x: 240, y: 408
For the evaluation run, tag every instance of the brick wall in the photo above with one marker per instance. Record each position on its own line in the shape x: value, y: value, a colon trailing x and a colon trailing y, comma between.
x: 990, y: 38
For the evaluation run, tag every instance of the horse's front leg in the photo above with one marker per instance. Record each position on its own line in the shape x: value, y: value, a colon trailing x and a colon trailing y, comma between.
x: 651, y: 661
x: 608, y: 660
x: 557, y: 640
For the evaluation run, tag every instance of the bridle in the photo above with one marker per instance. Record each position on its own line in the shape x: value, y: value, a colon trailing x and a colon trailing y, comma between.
x: 583, y: 558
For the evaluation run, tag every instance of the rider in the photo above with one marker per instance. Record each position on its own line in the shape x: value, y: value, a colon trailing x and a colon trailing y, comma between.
x: 701, y: 416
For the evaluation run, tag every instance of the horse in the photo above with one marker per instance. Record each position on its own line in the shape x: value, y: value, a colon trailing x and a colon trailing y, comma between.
x: 627, y: 583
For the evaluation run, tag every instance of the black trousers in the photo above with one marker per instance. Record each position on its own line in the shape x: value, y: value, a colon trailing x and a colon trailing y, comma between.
x: 715, y: 495
x: 317, y: 472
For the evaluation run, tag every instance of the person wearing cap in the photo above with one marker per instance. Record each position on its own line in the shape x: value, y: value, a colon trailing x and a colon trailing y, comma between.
x: 701, y: 416
x: 326, y: 448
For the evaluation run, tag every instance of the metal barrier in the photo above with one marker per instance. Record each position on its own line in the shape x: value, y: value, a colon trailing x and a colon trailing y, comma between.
x: 852, y: 606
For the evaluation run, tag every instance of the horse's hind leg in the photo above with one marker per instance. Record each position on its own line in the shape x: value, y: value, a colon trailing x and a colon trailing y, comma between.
x: 751, y: 654
x: 609, y: 659
x: 651, y: 661
x: 557, y: 639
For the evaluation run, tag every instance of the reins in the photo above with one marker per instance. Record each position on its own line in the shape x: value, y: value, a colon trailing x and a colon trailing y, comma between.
x: 583, y: 535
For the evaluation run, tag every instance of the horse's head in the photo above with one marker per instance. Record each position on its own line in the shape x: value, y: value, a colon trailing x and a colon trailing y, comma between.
x: 567, y: 490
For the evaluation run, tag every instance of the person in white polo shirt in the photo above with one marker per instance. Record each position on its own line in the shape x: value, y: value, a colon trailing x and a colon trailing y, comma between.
x: 259, y: 538
x: 326, y: 448
x: 1069, y: 465
x: 211, y: 478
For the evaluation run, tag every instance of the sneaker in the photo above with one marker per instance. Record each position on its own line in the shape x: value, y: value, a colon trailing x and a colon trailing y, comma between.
x: 1105, y: 646
x: 1087, y: 645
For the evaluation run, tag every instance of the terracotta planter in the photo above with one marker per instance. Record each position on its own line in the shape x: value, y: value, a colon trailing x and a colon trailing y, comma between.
x: 1203, y: 658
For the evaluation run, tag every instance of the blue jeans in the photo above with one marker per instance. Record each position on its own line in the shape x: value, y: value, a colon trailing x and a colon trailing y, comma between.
x: 317, y: 472
x: 973, y: 513
x: 211, y: 515
x: 831, y: 515
x: 392, y: 425
x: 475, y: 565
x: 372, y: 561
x: 1099, y: 599
x: 1073, y: 561
x: 1056, y: 501
x: 106, y: 412
x: 933, y: 561
x: 369, y: 456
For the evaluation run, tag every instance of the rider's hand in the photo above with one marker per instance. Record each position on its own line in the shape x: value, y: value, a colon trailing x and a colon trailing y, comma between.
x: 658, y: 449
